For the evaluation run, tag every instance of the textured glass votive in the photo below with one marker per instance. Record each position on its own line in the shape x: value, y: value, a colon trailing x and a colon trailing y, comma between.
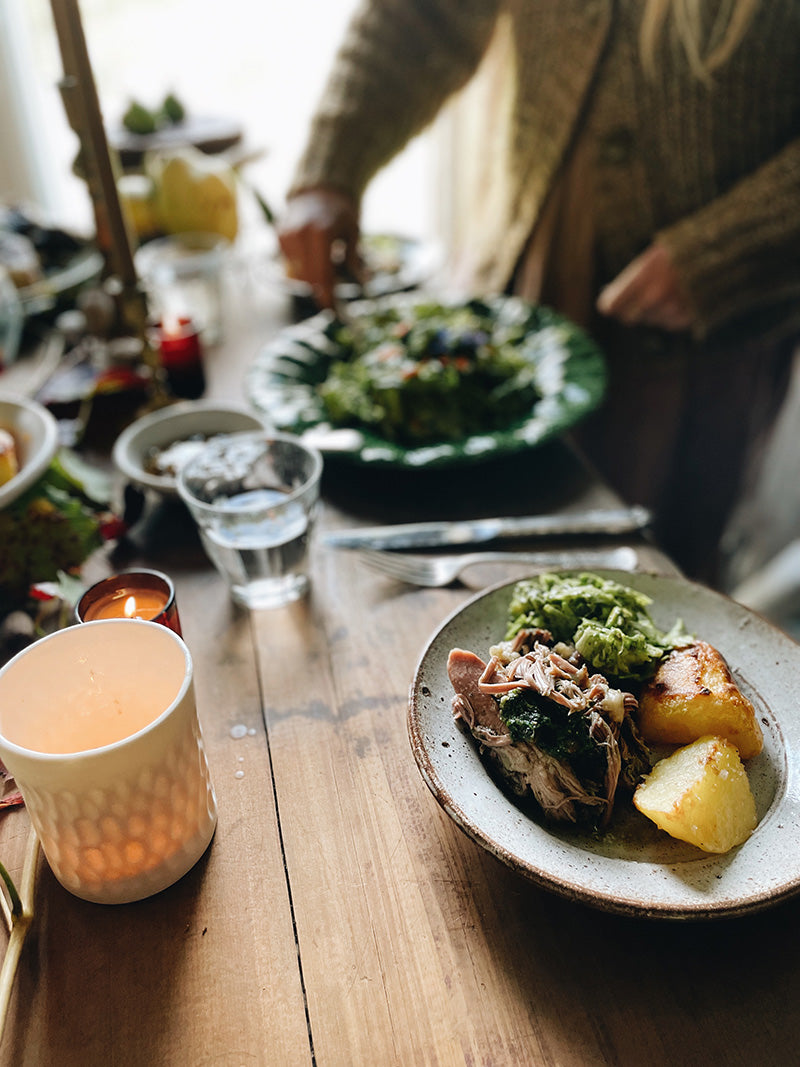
x: 141, y: 594
x: 99, y: 726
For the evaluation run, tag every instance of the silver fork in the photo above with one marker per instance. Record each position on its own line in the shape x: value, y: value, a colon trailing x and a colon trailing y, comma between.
x: 442, y: 570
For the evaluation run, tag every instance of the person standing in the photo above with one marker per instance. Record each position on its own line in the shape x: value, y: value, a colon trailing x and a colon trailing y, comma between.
x: 644, y: 179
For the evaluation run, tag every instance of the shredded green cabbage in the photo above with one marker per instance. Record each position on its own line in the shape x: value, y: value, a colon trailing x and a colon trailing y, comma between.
x: 609, y: 623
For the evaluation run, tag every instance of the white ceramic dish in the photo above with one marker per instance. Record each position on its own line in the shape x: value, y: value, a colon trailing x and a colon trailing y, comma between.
x: 169, y: 425
x: 635, y: 869
x: 35, y: 432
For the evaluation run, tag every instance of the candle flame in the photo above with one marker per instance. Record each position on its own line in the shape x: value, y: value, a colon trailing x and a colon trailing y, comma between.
x: 129, y: 608
x: 171, y: 325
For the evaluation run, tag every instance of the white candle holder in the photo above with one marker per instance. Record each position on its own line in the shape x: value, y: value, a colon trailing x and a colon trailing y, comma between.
x: 99, y: 726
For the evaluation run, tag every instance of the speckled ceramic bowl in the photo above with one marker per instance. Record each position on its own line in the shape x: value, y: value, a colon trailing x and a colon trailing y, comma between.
x: 634, y: 869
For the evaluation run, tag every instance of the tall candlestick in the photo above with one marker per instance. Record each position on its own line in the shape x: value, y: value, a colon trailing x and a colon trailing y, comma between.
x: 82, y: 106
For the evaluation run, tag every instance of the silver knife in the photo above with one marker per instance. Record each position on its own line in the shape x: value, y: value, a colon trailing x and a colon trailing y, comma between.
x: 609, y: 521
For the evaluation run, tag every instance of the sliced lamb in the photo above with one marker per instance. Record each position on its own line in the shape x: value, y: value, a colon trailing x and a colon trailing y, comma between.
x: 475, y: 707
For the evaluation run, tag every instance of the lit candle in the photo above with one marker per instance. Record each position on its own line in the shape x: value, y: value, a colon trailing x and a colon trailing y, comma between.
x: 99, y: 726
x: 177, y: 341
x: 144, y: 594
x: 143, y: 604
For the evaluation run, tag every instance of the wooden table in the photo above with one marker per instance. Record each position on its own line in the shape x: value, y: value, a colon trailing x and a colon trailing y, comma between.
x: 339, y: 917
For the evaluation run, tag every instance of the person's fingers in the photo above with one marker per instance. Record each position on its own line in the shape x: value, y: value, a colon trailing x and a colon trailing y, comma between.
x: 307, y: 258
x: 294, y: 257
x: 351, y: 258
x: 652, y: 309
x: 672, y: 315
x: 320, y: 268
x: 319, y: 232
x: 648, y: 292
x: 620, y: 294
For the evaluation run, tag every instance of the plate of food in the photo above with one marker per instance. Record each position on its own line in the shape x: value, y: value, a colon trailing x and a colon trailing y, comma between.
x: 412, y: 381
x: 54, y: 512
x: 28, y: 443
x: 628, y: 741
x: 45, y: 262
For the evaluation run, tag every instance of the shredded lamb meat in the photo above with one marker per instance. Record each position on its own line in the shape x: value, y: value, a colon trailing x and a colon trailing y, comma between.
x: 557, y: 674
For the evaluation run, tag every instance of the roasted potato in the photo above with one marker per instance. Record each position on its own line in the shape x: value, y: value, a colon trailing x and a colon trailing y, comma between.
x: 700, y: 794
x: 693, y: 695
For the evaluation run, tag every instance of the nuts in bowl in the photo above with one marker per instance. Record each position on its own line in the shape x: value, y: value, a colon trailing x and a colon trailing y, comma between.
x: 150, y: 450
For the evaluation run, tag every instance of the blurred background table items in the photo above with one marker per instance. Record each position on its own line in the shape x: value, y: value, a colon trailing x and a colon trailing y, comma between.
x: 12, y: 317
x: 207, y: 133
x: 183, y: 277
x: 773, y: 589
x: 30, y: 444
x: 42, y: 268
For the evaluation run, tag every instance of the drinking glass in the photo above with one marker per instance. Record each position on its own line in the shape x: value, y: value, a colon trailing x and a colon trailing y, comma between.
x: 254, y: 497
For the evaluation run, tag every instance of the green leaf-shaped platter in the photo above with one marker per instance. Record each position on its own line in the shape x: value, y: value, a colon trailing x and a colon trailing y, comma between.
x: 569, y: 372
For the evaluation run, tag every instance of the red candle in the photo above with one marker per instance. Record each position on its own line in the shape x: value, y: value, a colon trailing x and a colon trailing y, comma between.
x: 142, y: 594
x: 178, y: 343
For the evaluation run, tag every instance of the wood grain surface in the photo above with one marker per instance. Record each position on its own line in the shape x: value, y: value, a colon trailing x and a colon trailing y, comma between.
x: 340, y: 917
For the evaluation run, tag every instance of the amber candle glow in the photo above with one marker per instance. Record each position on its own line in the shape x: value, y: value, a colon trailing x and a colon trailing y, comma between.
x: 99, y: 723
x: 148, y: 595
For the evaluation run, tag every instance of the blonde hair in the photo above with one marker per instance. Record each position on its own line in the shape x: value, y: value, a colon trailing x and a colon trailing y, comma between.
x: 685, y: 18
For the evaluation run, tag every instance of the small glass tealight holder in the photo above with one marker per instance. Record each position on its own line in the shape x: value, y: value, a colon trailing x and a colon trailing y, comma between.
x: 139, y: 594
x: 177, y: 341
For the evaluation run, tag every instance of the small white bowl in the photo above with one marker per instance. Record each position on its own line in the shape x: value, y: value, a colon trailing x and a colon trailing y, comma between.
x: 168, y: 426
x: 35, y: 432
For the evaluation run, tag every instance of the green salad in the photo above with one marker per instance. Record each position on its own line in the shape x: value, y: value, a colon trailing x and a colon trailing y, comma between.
x: 608, y: 623
x: 431, y: 372
x: 53, y: 527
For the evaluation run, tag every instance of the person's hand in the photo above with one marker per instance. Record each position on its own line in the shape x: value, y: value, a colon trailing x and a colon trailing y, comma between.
x: 319, y: 230
x: 648, y: 292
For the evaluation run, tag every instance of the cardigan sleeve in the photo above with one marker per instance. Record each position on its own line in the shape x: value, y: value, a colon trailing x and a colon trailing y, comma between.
x: 399, y: 61
x: 740, y: 254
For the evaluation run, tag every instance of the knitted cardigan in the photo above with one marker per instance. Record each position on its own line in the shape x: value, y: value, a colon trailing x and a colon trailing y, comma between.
x: 724, y: 158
